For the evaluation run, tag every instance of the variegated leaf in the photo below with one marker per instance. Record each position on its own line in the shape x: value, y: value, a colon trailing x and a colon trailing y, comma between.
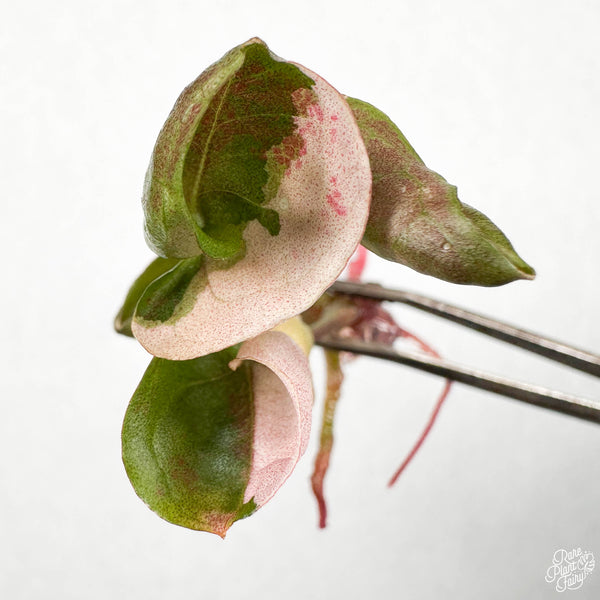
x: 261, y: 178
x: 208, y: 441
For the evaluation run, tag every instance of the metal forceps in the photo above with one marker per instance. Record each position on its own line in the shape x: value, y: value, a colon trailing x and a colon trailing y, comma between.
x: 532, y: 394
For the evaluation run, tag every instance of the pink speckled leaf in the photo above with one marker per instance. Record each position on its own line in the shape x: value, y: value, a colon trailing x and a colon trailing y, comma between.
x: 283, y: 398
x: 321, y: 199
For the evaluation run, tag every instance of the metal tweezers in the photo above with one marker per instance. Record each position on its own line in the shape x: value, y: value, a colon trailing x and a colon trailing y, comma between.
x: 532, y: 394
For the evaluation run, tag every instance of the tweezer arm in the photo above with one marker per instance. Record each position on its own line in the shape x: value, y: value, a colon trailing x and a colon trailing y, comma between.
x: 557, y: 401
x: 557, y: 351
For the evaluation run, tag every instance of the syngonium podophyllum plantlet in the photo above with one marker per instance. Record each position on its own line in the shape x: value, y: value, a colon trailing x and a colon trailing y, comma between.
x: 263, y: 182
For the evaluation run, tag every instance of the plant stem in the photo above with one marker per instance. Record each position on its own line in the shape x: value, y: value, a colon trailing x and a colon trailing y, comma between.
x: 335, y: 378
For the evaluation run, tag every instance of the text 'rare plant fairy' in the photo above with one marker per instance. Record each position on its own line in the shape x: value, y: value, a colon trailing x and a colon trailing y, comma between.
x: 263, y: 183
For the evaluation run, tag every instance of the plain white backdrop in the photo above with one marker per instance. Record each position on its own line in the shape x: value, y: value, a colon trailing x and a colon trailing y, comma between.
x: 500, y: 97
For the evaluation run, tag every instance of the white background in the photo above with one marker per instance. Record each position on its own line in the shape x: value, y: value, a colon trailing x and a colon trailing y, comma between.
x: 500, y: 97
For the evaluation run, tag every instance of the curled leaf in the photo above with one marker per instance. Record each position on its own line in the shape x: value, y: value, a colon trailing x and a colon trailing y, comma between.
x: 283, y: 399
x: 208, y: 441
x: 222, y: 152
x: 417, y: 219
x: 261, y: 179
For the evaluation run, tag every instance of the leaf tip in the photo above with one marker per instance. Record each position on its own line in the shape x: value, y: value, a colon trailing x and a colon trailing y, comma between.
x: 218, y: 524
x: 122, y: 325
x: 526, y: 271
x: 514, y: 269
x: 254, y: 40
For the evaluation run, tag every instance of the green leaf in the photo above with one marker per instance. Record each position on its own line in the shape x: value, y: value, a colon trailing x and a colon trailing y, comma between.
x: 261, y: 175
x: 222, y: 153
x: 187, y: 441
x: 417, y: 219
x: 154, y: 270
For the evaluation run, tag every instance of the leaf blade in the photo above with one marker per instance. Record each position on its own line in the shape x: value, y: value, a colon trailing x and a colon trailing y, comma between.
x: 206, y: 442
x: 417, y: 219
x: 321, y: 198
x: 187, y: 437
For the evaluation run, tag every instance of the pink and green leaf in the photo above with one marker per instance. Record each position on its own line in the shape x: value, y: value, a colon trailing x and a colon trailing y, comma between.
x: 207, y: 441
x: 224, y: 176
x: 417, y: 219
x: 283, y: 138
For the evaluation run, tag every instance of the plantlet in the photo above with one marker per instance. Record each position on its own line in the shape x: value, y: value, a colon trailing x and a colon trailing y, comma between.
x: 263, y: 183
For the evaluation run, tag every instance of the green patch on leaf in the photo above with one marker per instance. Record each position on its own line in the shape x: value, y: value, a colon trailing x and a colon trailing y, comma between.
x: 172, y: 295
x: 222, y: 153
x: 155, y: 269
x: 417, y: 219
x: 187, y: 440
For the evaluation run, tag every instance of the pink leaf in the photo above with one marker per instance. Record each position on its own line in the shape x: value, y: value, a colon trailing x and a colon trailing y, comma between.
x: 283, y: 398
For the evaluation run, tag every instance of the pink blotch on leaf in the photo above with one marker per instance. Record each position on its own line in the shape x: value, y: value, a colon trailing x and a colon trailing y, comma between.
x: 315, y: 111
x: 334, y: 199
